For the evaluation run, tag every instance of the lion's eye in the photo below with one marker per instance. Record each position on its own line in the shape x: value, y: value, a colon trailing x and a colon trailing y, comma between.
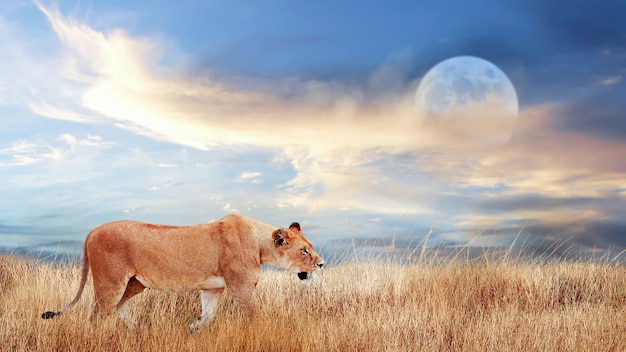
x: 305, y: 251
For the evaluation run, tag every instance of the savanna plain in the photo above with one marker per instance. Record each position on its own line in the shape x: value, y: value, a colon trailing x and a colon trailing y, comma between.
x: 367, y: 304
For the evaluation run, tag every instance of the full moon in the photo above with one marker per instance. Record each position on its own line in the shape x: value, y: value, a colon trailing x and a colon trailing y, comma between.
x: 460, y: 84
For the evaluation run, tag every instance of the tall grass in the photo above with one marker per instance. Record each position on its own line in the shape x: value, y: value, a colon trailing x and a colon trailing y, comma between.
x: 371, y: 304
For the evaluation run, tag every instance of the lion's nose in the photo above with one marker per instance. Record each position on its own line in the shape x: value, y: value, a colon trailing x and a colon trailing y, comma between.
x: 320, y: 265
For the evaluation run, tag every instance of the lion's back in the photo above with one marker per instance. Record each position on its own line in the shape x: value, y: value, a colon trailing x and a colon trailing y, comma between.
x: 176, y: 251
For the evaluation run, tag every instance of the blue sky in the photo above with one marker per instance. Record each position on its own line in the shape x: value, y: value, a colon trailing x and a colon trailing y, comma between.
x: 304, y: 111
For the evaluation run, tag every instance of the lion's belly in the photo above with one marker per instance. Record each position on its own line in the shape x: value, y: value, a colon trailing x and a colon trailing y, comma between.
x: 183, y: 284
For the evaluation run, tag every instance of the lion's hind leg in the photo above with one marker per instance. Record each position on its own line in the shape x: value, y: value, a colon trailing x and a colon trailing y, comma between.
x: 108, y: 294
x: 133, y: 287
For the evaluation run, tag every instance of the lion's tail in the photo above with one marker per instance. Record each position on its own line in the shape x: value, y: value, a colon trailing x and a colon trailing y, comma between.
x: 83, y: 281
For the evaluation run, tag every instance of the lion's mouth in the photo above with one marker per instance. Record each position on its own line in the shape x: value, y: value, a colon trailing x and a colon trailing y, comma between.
x: 305, y: 275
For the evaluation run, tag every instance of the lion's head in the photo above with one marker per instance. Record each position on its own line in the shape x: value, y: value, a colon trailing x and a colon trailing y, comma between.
x: 296, y: 253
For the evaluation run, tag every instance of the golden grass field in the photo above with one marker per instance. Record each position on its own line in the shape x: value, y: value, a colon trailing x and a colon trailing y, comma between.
x: 368, y: 305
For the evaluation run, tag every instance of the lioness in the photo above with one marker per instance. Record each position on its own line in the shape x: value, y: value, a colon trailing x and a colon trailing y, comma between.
x: 125, y: 257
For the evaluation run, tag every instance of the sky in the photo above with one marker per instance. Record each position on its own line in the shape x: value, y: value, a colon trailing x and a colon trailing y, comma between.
x: 183, y: 112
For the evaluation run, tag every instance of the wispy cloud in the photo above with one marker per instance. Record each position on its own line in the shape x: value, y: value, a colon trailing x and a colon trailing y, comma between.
x: 249, y: 176
x: 24, y: 152
x: 608, y: 81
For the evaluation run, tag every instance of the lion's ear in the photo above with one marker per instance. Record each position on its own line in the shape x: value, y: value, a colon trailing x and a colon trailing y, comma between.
x: 281, y: 237
x: 295, y: 227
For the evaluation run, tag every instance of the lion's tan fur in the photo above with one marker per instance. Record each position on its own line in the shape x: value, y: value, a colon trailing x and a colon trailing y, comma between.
x: 127, y: 256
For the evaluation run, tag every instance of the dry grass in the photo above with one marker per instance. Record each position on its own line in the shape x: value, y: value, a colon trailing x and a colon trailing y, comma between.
x: 367, y: 306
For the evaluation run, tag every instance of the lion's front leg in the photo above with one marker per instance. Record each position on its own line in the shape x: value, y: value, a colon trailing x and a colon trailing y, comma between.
x: 210, y: 299
x: 247, y: 300
x: 243, y: 293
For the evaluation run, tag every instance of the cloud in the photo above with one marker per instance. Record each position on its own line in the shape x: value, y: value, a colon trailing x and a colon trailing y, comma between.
x: 249, y: 176
x: 90, y: 141
x: 608, y: 81
x: 21, y: 153
x: 125, y: 81
x: 56, y: 112
x: 200, y: 110
x: 349, y: 147
x: 25, y: 152
x: 227, y: 207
